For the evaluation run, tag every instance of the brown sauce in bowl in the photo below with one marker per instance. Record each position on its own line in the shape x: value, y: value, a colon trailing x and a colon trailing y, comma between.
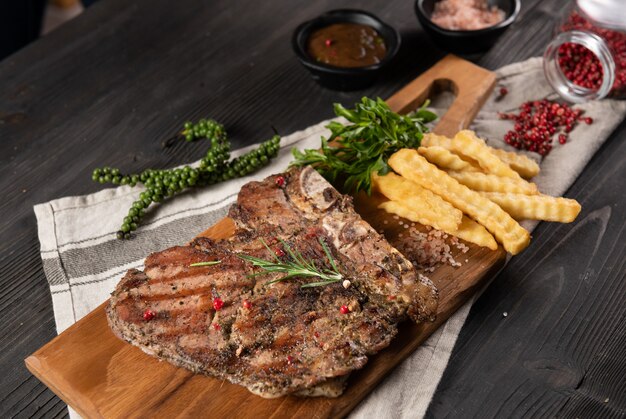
x: 347, y: 45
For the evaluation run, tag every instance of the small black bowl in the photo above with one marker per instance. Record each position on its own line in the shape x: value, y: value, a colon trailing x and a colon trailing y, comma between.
x: 466, y: 42
x: 340, y: 78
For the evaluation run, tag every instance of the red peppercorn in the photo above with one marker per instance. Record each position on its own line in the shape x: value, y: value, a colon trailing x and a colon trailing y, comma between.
x: 537, y: 122
x: 344, y: 309
x: 562, y: 138
x: 280, y: 181
x: 503, y: 91
x: 582, y: 67
x: 149, y: 315
x: 588, y: 120
x: 289, y: 360
x: 216, y: 326
x: 279, y: 252
x: 218, y: 303
x: 246, y: 304
x: 328, y: 42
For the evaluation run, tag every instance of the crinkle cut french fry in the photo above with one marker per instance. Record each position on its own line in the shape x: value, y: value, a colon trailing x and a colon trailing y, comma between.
x: 536, y: 207
x: 394, y: 207
x: 429, y: 140
x: 484, y: 182
x: 471, y: 231
x: 506, y: 230
x: 446, y: 159
x: 527, y: 168
x: 468, y: 230
x: 434, y: 140
x: 432, y: 209
x: 466, y: 143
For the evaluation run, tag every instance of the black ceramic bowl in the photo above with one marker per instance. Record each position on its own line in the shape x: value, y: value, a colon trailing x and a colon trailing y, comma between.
x: 340, y: 78
x: 466, y: 42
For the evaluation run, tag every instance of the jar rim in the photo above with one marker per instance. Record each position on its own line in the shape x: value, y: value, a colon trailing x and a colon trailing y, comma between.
x: 566, y: 88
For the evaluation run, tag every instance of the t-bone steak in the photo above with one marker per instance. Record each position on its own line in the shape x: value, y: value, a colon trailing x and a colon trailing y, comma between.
x: 275, y: 339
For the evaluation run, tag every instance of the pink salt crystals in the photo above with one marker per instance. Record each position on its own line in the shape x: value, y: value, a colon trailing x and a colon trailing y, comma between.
x: 466, y: 15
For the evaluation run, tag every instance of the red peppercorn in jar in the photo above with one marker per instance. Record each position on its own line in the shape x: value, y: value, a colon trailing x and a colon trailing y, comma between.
x: 587, y: 58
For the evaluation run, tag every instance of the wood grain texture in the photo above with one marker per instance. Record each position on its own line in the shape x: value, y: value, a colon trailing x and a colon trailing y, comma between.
x: 111, y: 85
x: 95, y: 372
x: 467, y: 81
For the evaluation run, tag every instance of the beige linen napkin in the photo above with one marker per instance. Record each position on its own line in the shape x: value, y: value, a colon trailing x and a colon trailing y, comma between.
x: 83, y: 260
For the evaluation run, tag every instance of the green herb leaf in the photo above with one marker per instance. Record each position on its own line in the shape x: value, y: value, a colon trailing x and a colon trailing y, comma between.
x: 210, y: 263
x: 365, y: 144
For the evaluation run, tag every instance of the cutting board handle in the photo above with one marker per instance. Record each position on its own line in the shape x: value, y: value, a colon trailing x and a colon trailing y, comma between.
x: 470, y: 84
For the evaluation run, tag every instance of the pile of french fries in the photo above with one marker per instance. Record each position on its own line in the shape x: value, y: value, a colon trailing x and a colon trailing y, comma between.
x: 465, y: 188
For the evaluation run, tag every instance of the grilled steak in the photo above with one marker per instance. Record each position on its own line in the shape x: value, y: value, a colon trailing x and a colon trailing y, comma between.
x: 275, y: 339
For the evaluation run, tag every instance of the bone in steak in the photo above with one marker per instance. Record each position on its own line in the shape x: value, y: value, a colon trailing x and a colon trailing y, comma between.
x: 274, y: 339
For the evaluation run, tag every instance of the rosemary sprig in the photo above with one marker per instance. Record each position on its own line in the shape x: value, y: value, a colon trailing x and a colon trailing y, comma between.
x: 209, y: 263
x: 296, y: 266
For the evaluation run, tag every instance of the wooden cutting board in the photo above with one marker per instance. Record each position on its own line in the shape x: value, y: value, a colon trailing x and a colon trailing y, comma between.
x: 101, y: 376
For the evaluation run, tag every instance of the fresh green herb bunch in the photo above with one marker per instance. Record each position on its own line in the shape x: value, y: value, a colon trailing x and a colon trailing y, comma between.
x: 215, y: 167
x: 364, y: 145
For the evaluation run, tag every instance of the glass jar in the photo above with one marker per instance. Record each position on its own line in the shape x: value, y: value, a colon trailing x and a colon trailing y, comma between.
x: 586, y: 60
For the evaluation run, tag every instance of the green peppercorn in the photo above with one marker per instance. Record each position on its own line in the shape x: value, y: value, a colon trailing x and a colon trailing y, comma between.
x: 214, y: 167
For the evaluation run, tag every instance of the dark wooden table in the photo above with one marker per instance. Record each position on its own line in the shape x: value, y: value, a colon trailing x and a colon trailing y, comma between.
x: 109, y: 86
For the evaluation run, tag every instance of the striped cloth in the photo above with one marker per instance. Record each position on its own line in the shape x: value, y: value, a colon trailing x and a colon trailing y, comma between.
x: 83, y: 261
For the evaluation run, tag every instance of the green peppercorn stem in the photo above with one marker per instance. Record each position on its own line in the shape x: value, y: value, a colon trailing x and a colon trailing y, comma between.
x: 216, y: 166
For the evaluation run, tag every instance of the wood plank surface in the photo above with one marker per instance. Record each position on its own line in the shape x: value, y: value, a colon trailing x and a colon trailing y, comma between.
x: 95, y: 372
x: 108, y: 87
